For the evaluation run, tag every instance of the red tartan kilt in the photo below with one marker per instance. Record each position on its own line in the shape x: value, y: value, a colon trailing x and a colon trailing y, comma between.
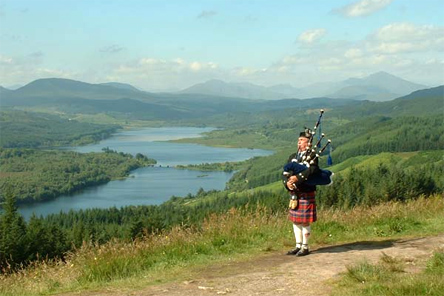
x: 305, y: 212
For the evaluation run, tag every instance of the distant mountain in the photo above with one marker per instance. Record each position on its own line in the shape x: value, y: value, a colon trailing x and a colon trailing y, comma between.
x: 72, y: 96
x: 120, y: 85
x: 45, y: 91
x: 389, y: 82
x: 288, y: 91
x: 4, y: 90
x: 364, y: 92
x: 320, y: 89
x: 66, y: 88
x: 234, y: 90
x: 380, y: 86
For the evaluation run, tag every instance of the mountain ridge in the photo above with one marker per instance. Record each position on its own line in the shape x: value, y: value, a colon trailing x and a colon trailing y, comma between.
x: 72, y: 88
x: 379, y: 86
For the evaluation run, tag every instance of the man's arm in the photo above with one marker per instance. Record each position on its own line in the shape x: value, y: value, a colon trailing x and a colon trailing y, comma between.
x: 298, y: 173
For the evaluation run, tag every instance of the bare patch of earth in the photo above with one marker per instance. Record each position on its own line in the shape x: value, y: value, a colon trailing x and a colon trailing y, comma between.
x: 278, y: 274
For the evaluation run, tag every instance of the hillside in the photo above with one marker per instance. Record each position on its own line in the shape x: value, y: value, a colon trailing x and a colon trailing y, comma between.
x: 242, y: 251
x: 380, y: 86
x: 364, y: 92
x: 418, y: 103
x: 4, y: 91
x: 292, y: 113
x: 21, y: 129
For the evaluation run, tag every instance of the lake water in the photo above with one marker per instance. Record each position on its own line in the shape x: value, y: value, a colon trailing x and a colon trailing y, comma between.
x: 150, y: 185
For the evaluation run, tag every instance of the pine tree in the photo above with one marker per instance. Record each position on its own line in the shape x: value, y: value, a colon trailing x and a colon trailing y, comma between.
x: 13, y: 242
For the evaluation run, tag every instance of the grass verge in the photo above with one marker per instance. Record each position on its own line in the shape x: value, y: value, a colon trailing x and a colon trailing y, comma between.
x: 389, y: 277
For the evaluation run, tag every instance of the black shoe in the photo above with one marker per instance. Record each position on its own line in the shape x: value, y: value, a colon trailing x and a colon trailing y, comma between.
x: 294, y: 251
x: 303, y: 252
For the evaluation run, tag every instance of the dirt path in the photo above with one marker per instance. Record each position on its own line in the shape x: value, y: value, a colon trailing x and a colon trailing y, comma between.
x: 278, y: 274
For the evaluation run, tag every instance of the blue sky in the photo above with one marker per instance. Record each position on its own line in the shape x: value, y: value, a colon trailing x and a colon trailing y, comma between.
x: 168, y: 45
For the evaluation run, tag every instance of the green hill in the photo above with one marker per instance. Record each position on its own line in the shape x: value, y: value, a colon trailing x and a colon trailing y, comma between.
x: 28, y: 129
x: 379, y: 134
x: 419, y: 103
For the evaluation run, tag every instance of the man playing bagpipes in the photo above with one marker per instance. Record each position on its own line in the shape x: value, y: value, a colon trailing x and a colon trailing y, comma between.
x: 301, y: 176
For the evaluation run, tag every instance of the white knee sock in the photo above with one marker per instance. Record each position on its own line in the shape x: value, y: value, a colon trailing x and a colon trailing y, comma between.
x: 297, y: 228
x: 305, y: 236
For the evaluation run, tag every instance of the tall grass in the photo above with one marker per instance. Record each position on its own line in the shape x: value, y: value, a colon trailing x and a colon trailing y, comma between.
x: 235, y: 235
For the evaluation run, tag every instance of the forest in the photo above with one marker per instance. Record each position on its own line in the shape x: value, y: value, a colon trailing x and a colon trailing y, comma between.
x: 377, y: 157
x: 22, y: 129
x: 38, y: 175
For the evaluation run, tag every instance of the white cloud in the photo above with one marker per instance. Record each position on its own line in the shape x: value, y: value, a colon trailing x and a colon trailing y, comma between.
x: 353, y: 53
x: 49, y: 73
x: 175, y: 65
x: 408, y: 31
x: 411, y: 51
x: 311, y: 36
x: 407, y: 37
x: 152, y: 73
x: 197, y: 66
x: 396, y: 47
x: 363, y: 8
x: 4, y: 60
x: 294, y: 60
x: 403, y: 49
x: 22, y: 70
x: 243, y: 71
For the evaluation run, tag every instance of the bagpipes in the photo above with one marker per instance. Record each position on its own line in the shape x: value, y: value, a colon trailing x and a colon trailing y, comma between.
x: 306, y: 170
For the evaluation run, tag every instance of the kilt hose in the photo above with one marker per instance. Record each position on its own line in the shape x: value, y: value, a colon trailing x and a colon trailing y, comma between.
x: 305, y: 212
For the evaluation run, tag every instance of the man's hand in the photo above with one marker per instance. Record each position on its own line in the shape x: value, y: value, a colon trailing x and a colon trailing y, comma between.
x: 291, y: 183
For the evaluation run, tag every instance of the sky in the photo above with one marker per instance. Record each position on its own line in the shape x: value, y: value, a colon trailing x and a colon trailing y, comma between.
x: 169, y: 45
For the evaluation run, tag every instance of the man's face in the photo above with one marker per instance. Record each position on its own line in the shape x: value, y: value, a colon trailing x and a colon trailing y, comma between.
x: 302, y: 143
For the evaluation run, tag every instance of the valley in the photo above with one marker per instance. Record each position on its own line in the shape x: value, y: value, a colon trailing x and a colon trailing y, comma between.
x: 377, y: 150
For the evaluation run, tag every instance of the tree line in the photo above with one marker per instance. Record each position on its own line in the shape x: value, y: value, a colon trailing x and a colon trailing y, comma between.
x: 385, y: 182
